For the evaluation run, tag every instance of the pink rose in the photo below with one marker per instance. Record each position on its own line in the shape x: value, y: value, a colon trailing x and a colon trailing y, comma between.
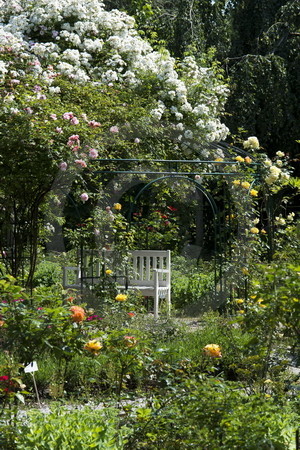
x: 93, y: 154
x: 94, y: 124
x: 74, y: 121
x: 84, y: 197
x: 53, y: 116
x: 114, y: 129
x: 74, y: 137
x: 80, y: 163
x: 68, y: 116
x: 63, y: 166
x: 58, y: 130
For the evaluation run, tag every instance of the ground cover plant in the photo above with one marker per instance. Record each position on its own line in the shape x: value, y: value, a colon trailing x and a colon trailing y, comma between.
x: 81, y: 85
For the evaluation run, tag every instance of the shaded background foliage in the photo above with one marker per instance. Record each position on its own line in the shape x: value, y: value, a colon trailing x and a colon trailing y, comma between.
x: 257, y: 43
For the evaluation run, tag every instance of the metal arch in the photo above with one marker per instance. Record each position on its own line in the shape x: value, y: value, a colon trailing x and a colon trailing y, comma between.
x: 198, y: 186
x: 216, y: 222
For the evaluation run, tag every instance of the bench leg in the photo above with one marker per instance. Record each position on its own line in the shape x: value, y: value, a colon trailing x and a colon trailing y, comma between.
x: 169, y: 303
x: 156, y: 297
x: 156, y: 307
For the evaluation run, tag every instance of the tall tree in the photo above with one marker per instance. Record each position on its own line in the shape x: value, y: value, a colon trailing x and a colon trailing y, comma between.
x: 264, y: 70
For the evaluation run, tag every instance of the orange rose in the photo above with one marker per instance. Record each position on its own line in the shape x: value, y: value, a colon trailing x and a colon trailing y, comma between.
x: 78, y: 313
x: 130, y: 341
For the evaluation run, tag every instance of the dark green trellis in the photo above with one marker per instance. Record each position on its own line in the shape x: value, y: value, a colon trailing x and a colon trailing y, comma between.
x: 162, y: 170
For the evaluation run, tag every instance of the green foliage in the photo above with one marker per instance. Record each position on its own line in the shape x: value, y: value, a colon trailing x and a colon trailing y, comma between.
x: 47, y: 274
x: 211, y: 413
x: 62, y: 429
x: 259, y: 85
x: 31, y: 327
x: 191, y: 283
x: 276, y: 293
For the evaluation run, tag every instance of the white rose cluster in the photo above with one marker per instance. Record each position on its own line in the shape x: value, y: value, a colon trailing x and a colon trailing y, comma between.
x: 89, y: 44
x: 275, y: 172
x: 251, y: 143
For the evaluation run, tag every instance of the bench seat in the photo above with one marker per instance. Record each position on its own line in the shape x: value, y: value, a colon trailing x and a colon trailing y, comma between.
x: 147, y: 271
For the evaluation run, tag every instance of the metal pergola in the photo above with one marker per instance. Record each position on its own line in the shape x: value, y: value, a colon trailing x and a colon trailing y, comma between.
x: 155, y: 171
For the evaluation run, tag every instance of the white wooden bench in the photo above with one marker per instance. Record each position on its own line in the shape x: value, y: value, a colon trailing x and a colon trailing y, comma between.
x: 148, y: 271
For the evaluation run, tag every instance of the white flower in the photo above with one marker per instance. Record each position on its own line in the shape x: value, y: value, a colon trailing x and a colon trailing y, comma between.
x: 279, y: 220
x: 267, y: 163
x: 54, y: 89
x: 275, y: 171
x: 280, y: 154
x: 87, y: 43
x: 188, y: 134
x: 285, y: 176
x: 252, y: 143
x: 49, y: 227
x: 290, y: 217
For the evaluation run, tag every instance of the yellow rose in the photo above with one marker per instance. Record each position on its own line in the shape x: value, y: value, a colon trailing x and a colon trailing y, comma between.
x: 245, y: 184
x: 254, y: 230
x: 239, y: 300
x: 219, y: 159
x: 239, y: 159
x: 236, y: 182
x: 108, y: 272
x: 93, y: 346
x: 213, y: 350
x: 121, y: 298
x: 253, y: 192
x: 117, y: 206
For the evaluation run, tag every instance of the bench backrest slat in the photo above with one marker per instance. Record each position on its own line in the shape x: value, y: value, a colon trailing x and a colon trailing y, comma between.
x: 144, y: 261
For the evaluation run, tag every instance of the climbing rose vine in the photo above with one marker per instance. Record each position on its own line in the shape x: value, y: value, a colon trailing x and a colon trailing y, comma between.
x: 87, y: 44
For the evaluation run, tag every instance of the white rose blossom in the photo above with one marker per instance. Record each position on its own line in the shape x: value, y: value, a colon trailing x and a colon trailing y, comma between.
x: 102, y: 46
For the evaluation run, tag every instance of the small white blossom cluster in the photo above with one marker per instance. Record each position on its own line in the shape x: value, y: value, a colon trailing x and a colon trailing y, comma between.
x: 275, y: 172
x: 279, y: 220
x: 251, y: 143
x: 86, y: 43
